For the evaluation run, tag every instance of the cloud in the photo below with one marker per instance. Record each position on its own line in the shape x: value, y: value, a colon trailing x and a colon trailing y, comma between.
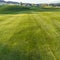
x: 33, y: 1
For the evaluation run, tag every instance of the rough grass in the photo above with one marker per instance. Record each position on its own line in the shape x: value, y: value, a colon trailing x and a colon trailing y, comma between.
x: 33, y: 36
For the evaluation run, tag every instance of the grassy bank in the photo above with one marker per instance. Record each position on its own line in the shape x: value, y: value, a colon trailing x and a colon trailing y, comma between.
x: 15, y: 9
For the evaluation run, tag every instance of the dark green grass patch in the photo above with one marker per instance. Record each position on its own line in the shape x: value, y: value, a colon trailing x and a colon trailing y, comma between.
x: 7, y: 9
x: 15, y: 9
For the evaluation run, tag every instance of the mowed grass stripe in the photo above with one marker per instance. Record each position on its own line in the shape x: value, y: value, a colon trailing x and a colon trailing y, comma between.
x: 36, y: 21
x: 55, y: 45
x: 39, y: 18
x: 9, y: 27
x: 6, y: 20
x: 29, y: 37
x: 6, y: 36
x: 22, y: 39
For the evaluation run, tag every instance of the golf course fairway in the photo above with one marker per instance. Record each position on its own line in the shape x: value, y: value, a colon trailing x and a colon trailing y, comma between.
x: 30, y: 36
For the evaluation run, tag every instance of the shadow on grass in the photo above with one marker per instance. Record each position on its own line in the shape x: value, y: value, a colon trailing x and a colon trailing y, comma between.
x: 24, y: 49
x: 7, y: 9
x: 7, y: 53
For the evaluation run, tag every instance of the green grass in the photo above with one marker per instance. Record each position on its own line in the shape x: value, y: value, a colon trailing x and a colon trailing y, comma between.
x: 15, y: 9
x: 12, y: 9
x: 30, y: 36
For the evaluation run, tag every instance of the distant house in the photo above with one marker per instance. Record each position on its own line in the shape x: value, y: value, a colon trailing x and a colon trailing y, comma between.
x: 30, y: 4
x: 37, y: 5
x: 26, y: 4
x: 44, y: 5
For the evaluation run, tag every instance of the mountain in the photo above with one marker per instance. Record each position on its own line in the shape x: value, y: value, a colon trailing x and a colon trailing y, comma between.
x: 7, y: 2
x: 1, y: 0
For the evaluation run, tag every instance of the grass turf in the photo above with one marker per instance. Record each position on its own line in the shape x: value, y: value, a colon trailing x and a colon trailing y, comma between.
x: 33, y: 36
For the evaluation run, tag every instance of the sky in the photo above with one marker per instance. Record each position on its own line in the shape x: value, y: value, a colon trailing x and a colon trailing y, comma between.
x: 35, y: 1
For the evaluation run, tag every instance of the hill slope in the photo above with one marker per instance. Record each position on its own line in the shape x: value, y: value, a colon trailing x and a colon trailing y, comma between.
x: 12, y: 9
x: 15, y: 9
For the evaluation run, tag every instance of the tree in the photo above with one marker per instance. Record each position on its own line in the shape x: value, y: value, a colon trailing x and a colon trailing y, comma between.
x: 21, y: 3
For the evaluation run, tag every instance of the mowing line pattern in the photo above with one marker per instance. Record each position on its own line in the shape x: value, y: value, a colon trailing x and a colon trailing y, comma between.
x: 34, y: 36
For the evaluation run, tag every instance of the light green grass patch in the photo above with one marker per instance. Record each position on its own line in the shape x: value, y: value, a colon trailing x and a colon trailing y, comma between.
x: 34, y: 36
